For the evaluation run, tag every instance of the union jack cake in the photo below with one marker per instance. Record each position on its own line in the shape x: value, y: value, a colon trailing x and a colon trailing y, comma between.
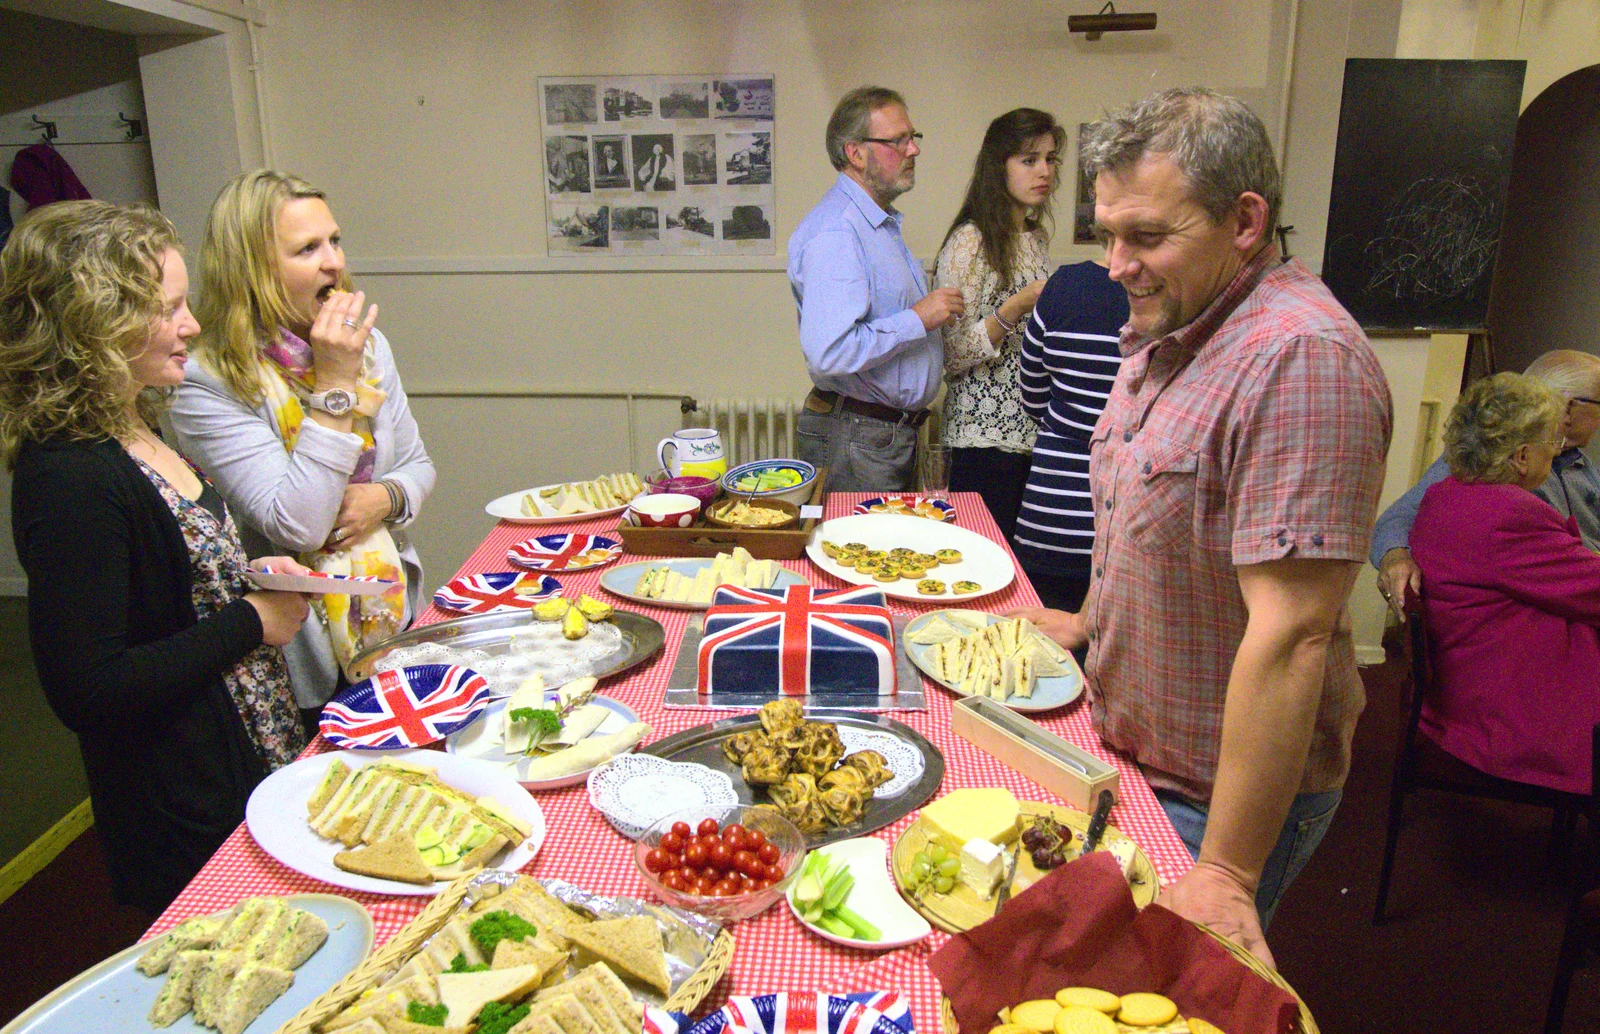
x: 796, y: 641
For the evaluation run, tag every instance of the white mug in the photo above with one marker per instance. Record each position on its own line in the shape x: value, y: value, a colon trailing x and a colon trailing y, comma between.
x: 696, y: 452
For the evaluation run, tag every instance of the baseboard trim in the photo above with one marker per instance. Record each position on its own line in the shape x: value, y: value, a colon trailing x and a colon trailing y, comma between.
x: 43, y: 851
x: 1366, y: 655
x: 17, y: 586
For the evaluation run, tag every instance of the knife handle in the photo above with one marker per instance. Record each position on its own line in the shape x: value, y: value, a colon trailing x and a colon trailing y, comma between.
x: 1097, y: 821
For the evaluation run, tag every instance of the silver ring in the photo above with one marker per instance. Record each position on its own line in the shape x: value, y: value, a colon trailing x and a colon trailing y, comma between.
x: 350, y: 322
x: 338, y: 534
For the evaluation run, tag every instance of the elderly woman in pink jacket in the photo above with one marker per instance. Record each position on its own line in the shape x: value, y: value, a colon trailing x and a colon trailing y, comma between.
x: 1512, y: 595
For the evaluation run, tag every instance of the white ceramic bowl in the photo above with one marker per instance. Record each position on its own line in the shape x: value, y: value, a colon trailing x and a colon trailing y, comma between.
x: 666, y: 510
x: 796, y: 494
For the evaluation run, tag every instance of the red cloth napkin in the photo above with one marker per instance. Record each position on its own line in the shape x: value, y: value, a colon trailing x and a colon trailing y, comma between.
x: 1079, y: 927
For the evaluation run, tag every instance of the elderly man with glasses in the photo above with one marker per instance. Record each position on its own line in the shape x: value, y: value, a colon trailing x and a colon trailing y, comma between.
x: 869, y: 326
x: 1573, y: 486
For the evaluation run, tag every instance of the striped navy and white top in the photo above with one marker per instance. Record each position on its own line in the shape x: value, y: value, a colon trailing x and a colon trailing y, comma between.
x: 1069, y: 360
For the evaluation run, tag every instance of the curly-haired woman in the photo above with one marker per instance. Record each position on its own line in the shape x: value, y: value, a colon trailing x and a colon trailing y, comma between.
x: 151, y: 644
x: 1511, y: 596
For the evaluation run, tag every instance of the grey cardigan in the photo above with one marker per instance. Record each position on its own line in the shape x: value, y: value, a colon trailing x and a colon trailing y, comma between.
x: 287, y: 502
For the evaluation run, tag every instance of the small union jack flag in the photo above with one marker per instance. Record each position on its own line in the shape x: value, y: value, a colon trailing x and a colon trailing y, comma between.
x: 407, y: 707
x: 494, y: 591
x: 797, y: 641
x: 558, y: 552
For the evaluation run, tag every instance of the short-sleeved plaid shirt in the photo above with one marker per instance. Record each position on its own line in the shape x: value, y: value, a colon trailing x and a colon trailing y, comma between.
x: 1257, y: 432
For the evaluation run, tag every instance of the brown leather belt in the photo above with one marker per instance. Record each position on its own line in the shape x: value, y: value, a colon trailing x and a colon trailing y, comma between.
x: 833, y: 400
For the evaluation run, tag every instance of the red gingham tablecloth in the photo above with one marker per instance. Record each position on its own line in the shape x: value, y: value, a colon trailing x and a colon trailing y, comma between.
x: 774, y: 952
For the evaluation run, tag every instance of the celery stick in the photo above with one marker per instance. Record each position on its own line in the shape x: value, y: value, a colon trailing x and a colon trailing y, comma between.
x: 862, y: 930
x: 836, y: 926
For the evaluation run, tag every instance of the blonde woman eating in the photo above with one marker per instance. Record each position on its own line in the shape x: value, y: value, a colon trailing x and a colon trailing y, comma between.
x: 296, y: 411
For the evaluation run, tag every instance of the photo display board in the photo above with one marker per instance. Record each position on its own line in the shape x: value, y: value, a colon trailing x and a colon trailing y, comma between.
x: 658, y: 164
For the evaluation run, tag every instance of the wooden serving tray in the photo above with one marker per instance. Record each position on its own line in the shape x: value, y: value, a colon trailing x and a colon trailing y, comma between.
x: 962, y: 909
x: 704, y: 540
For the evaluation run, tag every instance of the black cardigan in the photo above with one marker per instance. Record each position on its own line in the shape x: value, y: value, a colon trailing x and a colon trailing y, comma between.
x: 126, y: 666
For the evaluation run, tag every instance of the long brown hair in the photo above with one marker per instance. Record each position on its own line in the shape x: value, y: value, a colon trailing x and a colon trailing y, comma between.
x: 80, y: 291
x: 988, y: 204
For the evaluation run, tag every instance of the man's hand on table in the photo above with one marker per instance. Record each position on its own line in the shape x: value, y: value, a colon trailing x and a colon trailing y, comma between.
x: 1211, y: 894
x: 1064, y: 627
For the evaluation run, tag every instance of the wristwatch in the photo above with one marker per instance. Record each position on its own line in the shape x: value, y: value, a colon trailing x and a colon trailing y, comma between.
x: 334, y: 401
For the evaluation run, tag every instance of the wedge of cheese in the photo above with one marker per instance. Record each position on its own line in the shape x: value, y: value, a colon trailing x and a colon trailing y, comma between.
x: 972, y: 813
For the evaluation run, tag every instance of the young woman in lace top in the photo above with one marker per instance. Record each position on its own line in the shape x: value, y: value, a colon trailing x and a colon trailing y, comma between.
x: 997, y: 253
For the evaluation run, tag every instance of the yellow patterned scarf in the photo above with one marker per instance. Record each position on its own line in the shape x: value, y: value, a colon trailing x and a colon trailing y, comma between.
x: 354, y: 623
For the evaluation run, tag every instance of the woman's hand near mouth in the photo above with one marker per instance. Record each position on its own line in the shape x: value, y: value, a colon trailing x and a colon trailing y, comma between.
x: 338, y: 339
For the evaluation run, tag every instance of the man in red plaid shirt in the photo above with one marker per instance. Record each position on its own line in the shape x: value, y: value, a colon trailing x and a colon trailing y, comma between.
x: 1235, y: 474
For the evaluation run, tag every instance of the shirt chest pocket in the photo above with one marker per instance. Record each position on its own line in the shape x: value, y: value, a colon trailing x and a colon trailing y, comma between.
x: 1158, y: 494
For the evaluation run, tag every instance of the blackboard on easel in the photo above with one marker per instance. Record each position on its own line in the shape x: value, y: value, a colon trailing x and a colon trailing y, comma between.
x: 1420, y: 174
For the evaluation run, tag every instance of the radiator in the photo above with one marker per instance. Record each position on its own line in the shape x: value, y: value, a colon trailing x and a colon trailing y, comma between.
x: 751, y: 429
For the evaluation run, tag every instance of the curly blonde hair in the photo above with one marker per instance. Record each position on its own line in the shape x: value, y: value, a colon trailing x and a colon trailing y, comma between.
x: 1492, y: 419
x: 241, y: 302
x: 80, y: 291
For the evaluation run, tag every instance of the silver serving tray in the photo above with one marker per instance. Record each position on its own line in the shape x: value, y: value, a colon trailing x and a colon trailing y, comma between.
x: 491, y: 633
x: 703, y: 745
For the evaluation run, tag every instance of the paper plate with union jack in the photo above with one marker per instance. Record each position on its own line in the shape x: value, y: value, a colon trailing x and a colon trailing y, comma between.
x: 566, y: 552
x: 494, y: 591
x: 908, y: 505
x: 406, y: 707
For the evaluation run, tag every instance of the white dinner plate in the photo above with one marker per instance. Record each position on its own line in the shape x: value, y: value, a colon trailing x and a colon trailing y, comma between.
x: 509, y: 508
x: 622, y: 580
x: 477, y: 741
x: 873, y: 898
x: 1049, y: 693
x: 276, y: 814
x: 982, y: 561
x: 114, y: 997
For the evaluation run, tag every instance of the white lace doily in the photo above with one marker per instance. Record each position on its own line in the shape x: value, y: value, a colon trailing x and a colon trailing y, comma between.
x: 635, y: 791
x: 905, y: 760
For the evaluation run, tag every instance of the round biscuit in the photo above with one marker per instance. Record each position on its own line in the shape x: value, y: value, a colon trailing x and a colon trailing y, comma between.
x: 1142, y: 1009
x: 1080, y: 1019
x: 1089, y: 997
x: 1037, y: 1015
x: 1199, y: 1026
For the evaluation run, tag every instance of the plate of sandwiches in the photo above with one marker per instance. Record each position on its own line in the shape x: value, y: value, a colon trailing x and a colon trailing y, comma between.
x: 1006, y: 659
x: 689, y: 584
x: 394, y: 823
x: 521, y: 958
x: 604, y: 496
x: 550, y: 738
x: 251, y: 967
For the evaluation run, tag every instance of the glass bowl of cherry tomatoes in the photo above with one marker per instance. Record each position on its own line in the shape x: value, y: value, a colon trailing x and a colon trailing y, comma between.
x: 728, y: 863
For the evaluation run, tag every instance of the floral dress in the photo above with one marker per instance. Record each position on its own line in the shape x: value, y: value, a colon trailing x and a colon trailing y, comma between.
x: 259, y: 682
x: 984, y: 406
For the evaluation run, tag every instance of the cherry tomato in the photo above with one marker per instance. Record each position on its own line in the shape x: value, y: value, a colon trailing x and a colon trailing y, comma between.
x: 708, y: 827
x: 733, y: 830
x: 674, y: 860
x: 768, y: 852
x: 655, y: 860
x: 776, y: 872
x: 704, y: 886
x: 761, y: 884
x: 748, y: 864
x: 694, y: 855
x: 720, y: 857
x: 672, y: 842
x: 707, y: 842
x: 727, y: 888
x: 711, y: 874
x: 682, y: 829
x: 735, y: 841
x: 677, y: 883
x: 755, y: 838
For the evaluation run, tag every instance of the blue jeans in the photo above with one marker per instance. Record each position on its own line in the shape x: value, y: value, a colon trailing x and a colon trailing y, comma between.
x: 1310, y: 815
x: 862, y: 454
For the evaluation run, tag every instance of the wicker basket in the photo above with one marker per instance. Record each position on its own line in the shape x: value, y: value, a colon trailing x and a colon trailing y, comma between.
x: 1307, y: 1025
x: 427, y: 922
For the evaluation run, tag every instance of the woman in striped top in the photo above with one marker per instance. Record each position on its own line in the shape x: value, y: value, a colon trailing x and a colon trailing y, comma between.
x: 1069, y: 359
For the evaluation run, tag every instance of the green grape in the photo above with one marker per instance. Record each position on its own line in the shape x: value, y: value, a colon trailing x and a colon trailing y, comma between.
x: 936, y: 853
x: 944, y: 884
x: 921, y: 858
x: 920, y: 871
x: 949, y: 867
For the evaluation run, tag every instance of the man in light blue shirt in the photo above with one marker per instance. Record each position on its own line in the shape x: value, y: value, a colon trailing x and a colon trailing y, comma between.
x: 869, y: 326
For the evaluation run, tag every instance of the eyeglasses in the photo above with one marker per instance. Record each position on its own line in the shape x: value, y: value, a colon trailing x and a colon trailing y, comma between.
x: 900, y: 143
x: 1580, y: 398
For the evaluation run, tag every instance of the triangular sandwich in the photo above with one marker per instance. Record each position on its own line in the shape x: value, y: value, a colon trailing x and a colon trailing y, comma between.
x: 396, y: 858
x: 631, y: 945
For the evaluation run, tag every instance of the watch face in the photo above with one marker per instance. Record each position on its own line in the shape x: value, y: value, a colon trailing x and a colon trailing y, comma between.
x: 337, y: 402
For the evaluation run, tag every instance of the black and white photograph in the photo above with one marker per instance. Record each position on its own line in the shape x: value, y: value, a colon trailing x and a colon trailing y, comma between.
x: 743, y: 98
x: 699, y: 159
x: 628, y: 101
x: 579, y: 226
x: 685, y: 99
x: 654, y: 168
x: 566, y: 103
x: 749, y: 158
x: 642, y: 223
x: 566, y: 164
x: 748, y: 223
x: 694, y: 219
x: 610, y: 162
x: 1083, y: 201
